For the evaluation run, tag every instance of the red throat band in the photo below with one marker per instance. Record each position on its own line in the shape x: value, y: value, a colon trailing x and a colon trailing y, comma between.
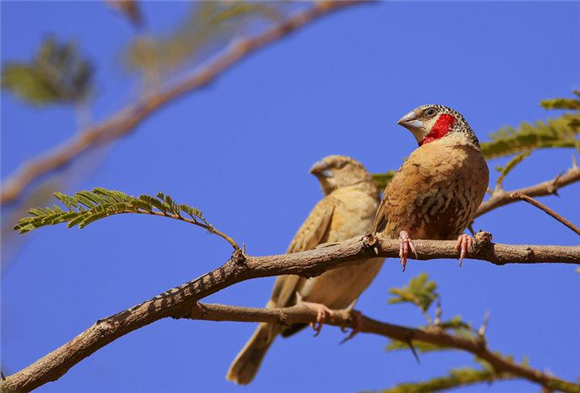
x: 441, y: 127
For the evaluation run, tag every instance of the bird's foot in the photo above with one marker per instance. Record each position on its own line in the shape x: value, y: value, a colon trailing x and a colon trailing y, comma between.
x: 322, y: 314
x: 464, y: 243
x: 356, y: 316
x: 406, y: 244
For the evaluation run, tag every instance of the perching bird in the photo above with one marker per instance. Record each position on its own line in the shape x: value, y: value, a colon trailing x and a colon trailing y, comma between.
x: 436, y: 192
x: 347, y: 210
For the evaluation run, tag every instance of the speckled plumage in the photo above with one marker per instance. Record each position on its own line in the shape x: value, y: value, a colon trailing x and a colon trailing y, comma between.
x: 347, y: 211
x: 436, y: 192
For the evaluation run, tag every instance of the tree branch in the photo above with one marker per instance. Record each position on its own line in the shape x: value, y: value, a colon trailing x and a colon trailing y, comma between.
x: 501, y: 198
x: 179, y: 300
x: 431, y: 335
x: 128, y: 119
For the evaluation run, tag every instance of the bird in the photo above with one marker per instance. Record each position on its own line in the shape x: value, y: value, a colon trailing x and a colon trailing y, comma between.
x: 438, y: 189
x: 347, y: 210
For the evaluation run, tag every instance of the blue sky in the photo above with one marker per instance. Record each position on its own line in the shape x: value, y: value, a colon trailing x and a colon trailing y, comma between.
x: 240, y: 150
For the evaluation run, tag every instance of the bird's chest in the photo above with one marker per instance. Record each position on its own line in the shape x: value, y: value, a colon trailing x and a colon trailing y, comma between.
x: 437, y: 196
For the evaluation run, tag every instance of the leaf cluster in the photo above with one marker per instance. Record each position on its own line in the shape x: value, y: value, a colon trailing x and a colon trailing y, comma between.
x: 420, y: 291
x: 57, y: 74
x: 85, y: 207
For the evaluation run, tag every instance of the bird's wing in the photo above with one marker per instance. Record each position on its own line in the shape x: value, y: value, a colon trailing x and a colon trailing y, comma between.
x: 381, y: 216
x: 312, y: 232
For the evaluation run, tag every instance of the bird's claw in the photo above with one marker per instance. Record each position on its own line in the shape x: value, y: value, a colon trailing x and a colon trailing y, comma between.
x: 464, y: 243
x: 358, y: 322
x: 322, y: 314
x: 406, y: 244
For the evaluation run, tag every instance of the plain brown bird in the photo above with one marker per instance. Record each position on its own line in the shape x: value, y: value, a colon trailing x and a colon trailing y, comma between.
x: 347, y: 210
x: 436, y: 192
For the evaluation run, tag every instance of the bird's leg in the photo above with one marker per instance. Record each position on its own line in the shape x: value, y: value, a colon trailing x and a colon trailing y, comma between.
x: 322, y: 313
x: 406, y: 244
x: 464, y: 243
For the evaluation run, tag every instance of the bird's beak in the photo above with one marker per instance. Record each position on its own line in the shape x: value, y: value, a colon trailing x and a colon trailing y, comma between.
x: 410, y: 121
x: 320, y: 169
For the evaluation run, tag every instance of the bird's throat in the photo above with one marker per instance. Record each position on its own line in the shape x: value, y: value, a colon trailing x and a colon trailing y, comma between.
x: 441, y: 127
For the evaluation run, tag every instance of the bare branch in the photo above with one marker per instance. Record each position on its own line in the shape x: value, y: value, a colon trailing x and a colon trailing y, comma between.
x: 126, y: 120
x: 541, y: 206
x: 179, y: 300
x: 431, y: 335
x: 550, y: 187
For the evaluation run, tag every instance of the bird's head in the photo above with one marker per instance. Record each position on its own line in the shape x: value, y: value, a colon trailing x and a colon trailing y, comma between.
x: 429, y: 123
x: 336, y: 172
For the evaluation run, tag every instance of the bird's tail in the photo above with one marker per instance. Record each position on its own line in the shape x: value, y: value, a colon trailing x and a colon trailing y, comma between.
x: 245, y: 366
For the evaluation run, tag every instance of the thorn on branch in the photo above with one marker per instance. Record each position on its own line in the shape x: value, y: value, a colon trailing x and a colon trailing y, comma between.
x: 438, y: 313
x: 483, y: 328
x: 239, y: 257
x: 553, y: 187
x: 414, y: 351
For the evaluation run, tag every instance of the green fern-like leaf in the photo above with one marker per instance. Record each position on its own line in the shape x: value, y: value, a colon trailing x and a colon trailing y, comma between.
x: 554, y: 133
x: 458, y: 377
x: 86, y: 207
x: 563, y: 103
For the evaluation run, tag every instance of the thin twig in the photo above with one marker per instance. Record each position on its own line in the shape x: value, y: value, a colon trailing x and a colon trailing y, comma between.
x: 541, y: 206
x: 173, y: 302
x: 501, y: 198
x: 207, y: 227
x: 126, y: 120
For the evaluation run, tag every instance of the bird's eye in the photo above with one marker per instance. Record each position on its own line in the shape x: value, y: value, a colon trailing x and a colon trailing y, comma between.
x: 341, y: 164
x: 431, y: 112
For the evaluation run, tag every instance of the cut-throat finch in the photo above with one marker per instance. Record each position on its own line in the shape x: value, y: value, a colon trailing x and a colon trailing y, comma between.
x: 436, y: 192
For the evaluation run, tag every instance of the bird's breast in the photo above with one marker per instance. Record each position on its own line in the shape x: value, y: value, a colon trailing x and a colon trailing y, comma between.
x: 436, y: 193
